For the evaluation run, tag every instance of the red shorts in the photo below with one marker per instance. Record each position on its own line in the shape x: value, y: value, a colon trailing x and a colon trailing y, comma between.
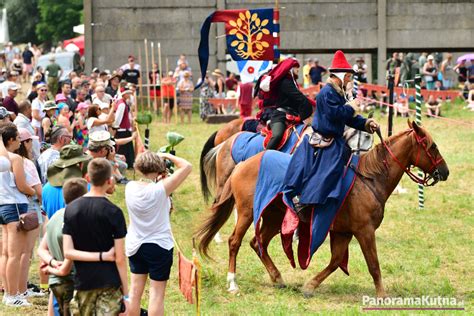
x: 154, y: 92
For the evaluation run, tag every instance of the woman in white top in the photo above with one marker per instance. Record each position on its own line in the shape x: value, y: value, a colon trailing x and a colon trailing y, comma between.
x: 149, y: 242
x: 32, y: 180
x: 5, y: 164
x: 94, y: 123
x: 37, y: 108
x: 13, y: 201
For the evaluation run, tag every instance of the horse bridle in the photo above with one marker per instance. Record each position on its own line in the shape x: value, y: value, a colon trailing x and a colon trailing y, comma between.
x: 433, y: 172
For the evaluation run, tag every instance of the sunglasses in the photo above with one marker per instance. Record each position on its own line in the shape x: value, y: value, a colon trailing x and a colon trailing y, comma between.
x: 43, y: 90
x: 28, y: 140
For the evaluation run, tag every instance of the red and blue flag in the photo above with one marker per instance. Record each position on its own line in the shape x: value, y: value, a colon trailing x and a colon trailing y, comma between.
x: 249, y: 35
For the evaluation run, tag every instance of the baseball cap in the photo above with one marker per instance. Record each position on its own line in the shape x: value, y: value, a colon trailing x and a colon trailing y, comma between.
x: 4, y: 112
x: 25, y: 134
x: 60, y: 97
x: 12, y: 86
x: 82, y: 105
x: 100, y: 138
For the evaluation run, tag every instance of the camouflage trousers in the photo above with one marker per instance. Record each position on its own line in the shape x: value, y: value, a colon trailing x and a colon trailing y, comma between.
x: 63, y: 293
x: 53, y: 85
x: 97, y: 302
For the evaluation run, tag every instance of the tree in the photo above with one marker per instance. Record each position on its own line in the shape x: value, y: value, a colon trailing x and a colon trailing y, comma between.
x: 249, y: 30
x: 22, y: 18
x: 57, y: 18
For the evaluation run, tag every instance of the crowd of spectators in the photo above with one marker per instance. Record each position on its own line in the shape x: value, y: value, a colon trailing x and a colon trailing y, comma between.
x: 64, y: 146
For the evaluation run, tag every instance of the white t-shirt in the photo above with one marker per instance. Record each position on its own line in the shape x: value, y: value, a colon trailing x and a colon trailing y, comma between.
x: 90, y: 121
x: 37, y: 104
x: 149, y: 211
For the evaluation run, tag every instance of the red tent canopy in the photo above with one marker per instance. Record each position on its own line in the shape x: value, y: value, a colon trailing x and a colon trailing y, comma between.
x: 75, y: 44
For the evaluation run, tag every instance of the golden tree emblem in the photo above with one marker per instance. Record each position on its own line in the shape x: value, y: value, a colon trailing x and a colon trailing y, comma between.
x: 249, y: 30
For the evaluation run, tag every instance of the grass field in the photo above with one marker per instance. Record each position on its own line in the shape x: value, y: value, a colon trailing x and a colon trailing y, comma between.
x: 421, y: 252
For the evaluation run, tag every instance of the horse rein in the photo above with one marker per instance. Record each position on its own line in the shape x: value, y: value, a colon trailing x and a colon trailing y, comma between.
x: 434, y: 162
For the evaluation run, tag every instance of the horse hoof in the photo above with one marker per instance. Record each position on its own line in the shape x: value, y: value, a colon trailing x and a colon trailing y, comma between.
x: 280, y: 285
x: 233, y: 290
x: 307, y: 293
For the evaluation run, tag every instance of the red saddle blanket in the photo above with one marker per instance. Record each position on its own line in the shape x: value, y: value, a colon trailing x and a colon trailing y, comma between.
x: 290, y: 127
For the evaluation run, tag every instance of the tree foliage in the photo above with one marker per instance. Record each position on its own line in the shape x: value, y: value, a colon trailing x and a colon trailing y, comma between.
x: 22, y: 18
x: 57, y: 18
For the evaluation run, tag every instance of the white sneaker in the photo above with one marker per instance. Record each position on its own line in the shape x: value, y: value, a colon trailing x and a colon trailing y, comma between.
x: 30, y: 293
x: 17, y: 301
x: 5, y: 298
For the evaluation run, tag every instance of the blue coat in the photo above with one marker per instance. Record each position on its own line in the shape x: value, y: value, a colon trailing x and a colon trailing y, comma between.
x: 316, y: 175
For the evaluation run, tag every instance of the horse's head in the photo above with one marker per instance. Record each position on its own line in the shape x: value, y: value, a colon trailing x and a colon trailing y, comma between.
x: 427, y: 157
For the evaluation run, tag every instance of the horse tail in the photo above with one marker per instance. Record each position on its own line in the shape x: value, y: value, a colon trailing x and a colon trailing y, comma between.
x: 220, y: 213
x: 209, y: 167
x: 205, y: 150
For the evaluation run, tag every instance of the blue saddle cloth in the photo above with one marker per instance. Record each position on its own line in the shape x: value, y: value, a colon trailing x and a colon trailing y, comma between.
x: 248, y: 144
x: 269, y: 188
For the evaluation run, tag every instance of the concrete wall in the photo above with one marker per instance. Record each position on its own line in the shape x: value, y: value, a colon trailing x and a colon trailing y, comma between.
x: 307, y: 27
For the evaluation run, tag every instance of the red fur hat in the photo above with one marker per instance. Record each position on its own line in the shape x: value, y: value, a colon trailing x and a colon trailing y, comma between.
x: 340, y: 64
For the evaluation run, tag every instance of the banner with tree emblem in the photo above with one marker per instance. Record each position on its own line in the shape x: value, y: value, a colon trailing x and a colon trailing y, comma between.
x: 249, y: 35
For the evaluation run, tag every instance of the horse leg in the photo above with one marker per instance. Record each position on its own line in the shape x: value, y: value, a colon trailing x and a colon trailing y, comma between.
x: 270, y: 228
x: 339, y: 244
x: 235, y: 240
x: 366, y: 240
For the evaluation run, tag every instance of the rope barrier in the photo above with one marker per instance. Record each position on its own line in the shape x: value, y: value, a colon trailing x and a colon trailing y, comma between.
x: 414, y: 111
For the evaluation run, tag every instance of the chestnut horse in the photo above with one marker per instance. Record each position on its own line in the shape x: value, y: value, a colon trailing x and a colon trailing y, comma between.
x: 380, y: 170
x: 218, y: 164
x: 218, y: 137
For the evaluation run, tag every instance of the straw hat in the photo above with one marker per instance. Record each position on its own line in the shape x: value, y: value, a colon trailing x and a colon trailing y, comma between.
x: 217, y: 72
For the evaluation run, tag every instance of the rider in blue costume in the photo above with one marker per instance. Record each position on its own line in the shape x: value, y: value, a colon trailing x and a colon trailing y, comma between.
x: 315, y: 174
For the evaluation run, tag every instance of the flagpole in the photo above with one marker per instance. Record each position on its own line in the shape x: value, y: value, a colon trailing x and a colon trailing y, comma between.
x: 276, y: 33
x: 167, y: 90
x: 153, y: 77
x: 140, y: 82
x: 160, y: 76
x: 148, y: 77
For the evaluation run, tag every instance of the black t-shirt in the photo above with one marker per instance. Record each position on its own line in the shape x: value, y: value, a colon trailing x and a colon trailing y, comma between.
x: 316, y: 74
x: 131, y: 75
x: 94, y: 223
x: 27, y: 57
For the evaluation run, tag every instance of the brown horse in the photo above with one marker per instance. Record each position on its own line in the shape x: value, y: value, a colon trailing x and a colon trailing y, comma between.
x: 380, y: 170
x: 218, y: 164
x: 218, y: 137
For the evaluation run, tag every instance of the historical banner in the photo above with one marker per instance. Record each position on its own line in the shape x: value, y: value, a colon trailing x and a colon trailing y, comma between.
x: 249, y: 35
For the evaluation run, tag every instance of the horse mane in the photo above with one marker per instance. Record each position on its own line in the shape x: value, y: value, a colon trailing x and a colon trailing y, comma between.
x: 371, y: 163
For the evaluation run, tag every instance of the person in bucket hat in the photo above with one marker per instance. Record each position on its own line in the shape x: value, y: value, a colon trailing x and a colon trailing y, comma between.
x: 71, y: 164
x: 309, y: 186
x: 68, y: 165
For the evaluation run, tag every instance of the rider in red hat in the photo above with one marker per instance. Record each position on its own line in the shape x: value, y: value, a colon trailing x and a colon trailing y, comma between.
x: 315, y: 174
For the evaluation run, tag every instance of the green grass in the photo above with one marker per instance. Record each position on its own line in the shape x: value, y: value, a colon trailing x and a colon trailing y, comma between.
x: 421, y: 252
